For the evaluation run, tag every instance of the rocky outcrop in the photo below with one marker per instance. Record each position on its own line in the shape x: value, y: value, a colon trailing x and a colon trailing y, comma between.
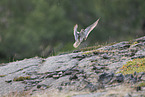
x: 92, y: 71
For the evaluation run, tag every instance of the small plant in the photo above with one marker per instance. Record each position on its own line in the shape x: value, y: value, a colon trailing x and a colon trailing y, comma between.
x: 141, y: 84
x: 22, y: 78
x: 130, y: 67
x: 91, y: 48
x: 96, y: 52
x: 134, y: 43
x: 87, y: 53
x: 2, y: 75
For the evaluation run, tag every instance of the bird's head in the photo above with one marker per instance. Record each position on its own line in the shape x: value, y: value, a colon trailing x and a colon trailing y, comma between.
x: 82, y: 30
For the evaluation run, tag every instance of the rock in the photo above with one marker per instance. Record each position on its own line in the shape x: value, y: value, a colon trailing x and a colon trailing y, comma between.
x: 32, y: 81
x: 119, y: 77
x: 8, y: 81
x: 102, y: 67
x: 73, y: 77
x: 105, y: 56
x: 80, y: 57
x: 42, y: 87
x: 142, y: 39
x: 14, y: 87
x: 60, y: 88
x: 129, y: 54
x: 68, y: 72
x: 94, y: 67
x: 99, y: 71
x: 33, y: 77
x: 60, y: 73
x: 128, y: 95
x: 98, y: 94
x: 129, y: 78
x: 79, y: 71
x: 121, y: 45
x: 140, y: 56
x: 56, y: 76
x: 38, y: 86
x: 137, y: 45
x: 105, y: 77
x: 61, y: 62
x: 27, y: 65
x: 138, y: 88
x: 91, y: 87
x: 76, y: 51
x: 49, y: 75
x: 47, y: 82
x: 65, y: 83
x: 143, y: 77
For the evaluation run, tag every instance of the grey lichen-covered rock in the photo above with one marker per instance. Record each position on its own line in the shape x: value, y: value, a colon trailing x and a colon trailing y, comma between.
x: 92, y: 72
x: 57, y: 63
x: 16, y: 69
x: 27, y: 65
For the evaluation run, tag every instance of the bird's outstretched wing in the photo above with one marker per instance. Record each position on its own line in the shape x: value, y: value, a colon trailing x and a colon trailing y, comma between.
x: 75, y: 32
x: 90, y: 28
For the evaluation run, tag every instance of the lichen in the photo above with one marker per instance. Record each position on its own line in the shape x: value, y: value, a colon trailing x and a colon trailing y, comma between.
x: 22, y: 78
x: 136, y: 65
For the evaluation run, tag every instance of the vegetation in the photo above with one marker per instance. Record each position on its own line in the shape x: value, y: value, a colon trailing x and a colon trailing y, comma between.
x: 136, y: 65
x: 21, y: 78
x: 31, y: 28
x: 2, y: 75
x: 141, y: 84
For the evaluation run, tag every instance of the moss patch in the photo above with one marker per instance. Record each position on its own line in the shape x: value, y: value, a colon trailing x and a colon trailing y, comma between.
x: 130, y: 67
x: 22, y: 78
x: 2, y: 75
x: 91, y: 48
x: 96, y: 52
x: 141, y: 84
x: 87, y: 53
x: 134, y: 43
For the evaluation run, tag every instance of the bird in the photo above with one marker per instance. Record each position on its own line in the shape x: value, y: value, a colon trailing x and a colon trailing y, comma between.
x: 83, y: 34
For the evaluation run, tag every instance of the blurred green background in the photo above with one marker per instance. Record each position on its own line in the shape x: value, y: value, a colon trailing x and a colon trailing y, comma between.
x: 31, y: 28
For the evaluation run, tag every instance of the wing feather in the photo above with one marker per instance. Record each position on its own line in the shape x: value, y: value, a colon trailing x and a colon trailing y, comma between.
x: 90, y: 28
x: 75, y: 31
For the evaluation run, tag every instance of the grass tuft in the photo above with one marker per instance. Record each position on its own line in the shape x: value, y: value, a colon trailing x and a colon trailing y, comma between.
x: 2, y: 75
x: 136, y: 65
x: 22, y: 78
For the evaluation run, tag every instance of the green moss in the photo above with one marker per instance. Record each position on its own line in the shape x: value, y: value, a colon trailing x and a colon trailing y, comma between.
x: 130, y: 67
x: 141, y: 84
x: 91, y: 48
x: 68, y: 96
x: 134, y: 43
x: 87, y: 53
x: 2, y: 75
x: 21, y: 69
x: 22, y: 78
x: 96, y: 52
